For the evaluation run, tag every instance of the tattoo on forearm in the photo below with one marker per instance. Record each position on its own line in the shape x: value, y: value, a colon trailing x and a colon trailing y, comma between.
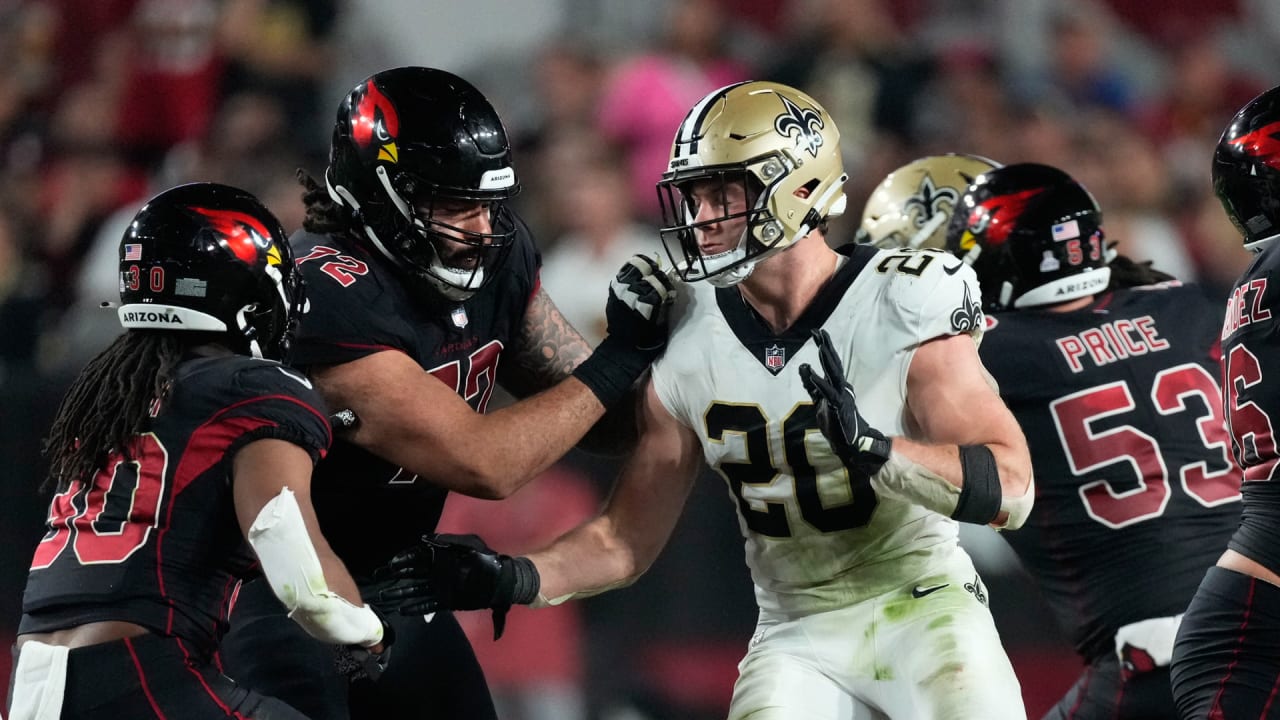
x: 547, y: 351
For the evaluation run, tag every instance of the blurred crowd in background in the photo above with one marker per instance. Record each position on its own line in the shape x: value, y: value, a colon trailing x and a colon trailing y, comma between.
x: 103, y: 103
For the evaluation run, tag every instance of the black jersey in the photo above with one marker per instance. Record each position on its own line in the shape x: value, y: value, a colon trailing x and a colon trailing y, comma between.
x: 368, y: 507
x: 155, y: 541
x: 1251, y: 354
x: 1136, y: 493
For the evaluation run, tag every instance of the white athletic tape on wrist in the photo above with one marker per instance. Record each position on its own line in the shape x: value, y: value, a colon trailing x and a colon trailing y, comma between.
x: 903, y: 479
x: 279, y: 537
x: 1018, y: 507
x: 542, y: 601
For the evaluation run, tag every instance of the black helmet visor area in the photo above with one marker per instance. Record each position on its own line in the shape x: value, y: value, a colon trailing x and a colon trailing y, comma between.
x: 1250, y: 192
x: 1246, y: 170
x: 678, y: 198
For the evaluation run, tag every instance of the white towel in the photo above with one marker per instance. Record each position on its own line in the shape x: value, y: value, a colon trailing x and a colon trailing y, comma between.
x: 1155, y: 636
x: 39, y: 682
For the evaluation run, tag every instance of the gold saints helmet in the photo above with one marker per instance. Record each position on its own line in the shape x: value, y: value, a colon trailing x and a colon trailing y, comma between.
x: 774, y: 139
x: 911, y: 206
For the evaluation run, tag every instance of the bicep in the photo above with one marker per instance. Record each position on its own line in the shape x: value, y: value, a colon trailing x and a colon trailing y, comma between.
x: 400, y: 406
x: 950, y: 399
x: 655, y: 481
x: 261, y: 469
x: 546, y: 351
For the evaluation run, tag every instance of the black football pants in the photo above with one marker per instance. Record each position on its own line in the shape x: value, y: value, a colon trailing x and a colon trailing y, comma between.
x: 1226, y: 660
x: 152, y: 677
x: 431, y: 673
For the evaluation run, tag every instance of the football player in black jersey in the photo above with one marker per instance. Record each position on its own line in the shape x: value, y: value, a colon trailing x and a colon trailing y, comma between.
x: 424, y: 297
x: 1111, y: 369
x: 1227, y: 657
x: 176, y: 443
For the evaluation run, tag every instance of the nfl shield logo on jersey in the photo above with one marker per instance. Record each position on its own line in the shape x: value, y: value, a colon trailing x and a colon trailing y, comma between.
x: 774, y: 358
x: 459, y: 316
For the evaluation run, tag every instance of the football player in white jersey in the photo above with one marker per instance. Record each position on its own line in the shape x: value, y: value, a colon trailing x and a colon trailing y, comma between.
x: 848, y: 490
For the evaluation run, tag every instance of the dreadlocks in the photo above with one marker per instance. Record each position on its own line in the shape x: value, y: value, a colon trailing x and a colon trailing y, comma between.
x: 324, y: 216
x: 109, y: 403
x: 1126, y: 272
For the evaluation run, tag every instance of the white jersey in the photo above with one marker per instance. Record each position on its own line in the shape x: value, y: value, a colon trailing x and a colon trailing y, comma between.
x: 816, y: 539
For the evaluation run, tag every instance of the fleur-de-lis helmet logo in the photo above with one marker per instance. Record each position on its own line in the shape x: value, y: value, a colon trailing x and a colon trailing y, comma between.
x: 804, y: 124
x: 929, y: 200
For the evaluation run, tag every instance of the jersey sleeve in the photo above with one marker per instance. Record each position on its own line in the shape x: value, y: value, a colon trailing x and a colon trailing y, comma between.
x: 353, y: 304
x: 525, y: 261
x: 280, y: 403
x: 942, y: 299
x: 667, y: 370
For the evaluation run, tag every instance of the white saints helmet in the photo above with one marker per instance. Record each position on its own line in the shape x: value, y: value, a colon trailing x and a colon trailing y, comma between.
x: 776, y: 140
x: 911, y: 206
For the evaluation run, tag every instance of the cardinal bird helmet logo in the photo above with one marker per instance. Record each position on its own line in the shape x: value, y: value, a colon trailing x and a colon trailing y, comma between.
x: 375, y: 125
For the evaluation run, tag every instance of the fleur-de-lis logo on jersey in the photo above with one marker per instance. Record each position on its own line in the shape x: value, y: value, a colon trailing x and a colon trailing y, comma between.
x: 803, y: 123
x: 929, y: 200
x: 977, y: 590
x: 967, y: 317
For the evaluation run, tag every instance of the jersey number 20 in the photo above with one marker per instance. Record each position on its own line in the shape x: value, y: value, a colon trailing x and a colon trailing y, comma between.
x: 760, y: 468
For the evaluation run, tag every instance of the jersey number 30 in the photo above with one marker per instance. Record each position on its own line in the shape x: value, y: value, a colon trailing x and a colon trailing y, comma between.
x: 108, y: 520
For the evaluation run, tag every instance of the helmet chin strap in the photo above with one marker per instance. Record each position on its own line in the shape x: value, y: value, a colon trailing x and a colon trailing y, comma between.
x: 342, y: 196
x: 732, y: 277
x: 255, y: 349
x: 456, y: 285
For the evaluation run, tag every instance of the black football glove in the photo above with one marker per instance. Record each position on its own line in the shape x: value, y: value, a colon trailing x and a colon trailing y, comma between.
x: 640, y: 298
x: 458, y: 572
x: 859, y: 446
x: 359, y: 663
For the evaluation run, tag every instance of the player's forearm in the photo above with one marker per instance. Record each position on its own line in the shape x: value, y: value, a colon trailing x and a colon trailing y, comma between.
x: 984, y: 484
x: 944, y: 461
x: 615, y: 434
x: 491, y: 455
x: 338, y: 578
x: 587, y: 561
x: 534, y: 433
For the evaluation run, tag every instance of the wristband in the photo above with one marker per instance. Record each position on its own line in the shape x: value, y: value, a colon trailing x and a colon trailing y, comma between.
x: 527, y: 581
x: 980, y: 494
x: 612, y: 369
